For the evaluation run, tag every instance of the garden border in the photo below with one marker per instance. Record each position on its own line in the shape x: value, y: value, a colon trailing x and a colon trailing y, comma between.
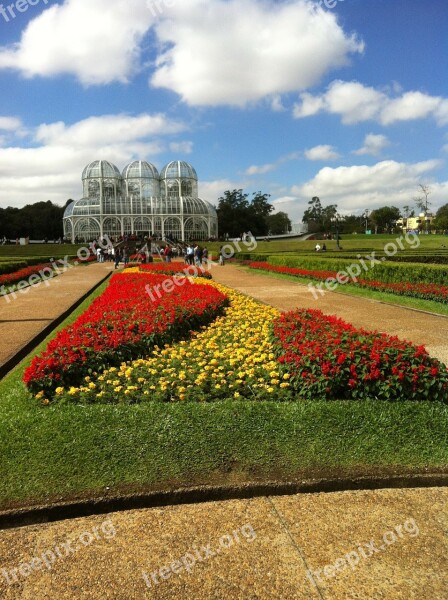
x: 24, y: 517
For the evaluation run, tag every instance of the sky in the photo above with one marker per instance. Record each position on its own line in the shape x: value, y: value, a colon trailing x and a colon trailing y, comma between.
x: 346, y: 100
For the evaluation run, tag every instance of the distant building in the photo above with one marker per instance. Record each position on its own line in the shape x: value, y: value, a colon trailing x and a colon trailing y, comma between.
x: 299, y: 228
x: 139, y: 201
x: 420, y: 223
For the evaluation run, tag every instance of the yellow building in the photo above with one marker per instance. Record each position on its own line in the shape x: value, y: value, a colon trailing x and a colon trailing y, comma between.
x: 419, y: 223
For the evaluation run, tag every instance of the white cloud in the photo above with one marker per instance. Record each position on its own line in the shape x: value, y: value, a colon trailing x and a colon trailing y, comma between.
x: 202, y: 50
x: 269, y: 167
x: 323, y: 152
x: 208, y: 60
x: 182, y: 147
x: 358, y: 187
x: 110, y: 129
x: 355, y: 103
x: 10, y: 123
x: 373, y: 145
x: 52, y: 170
x: 276, y: 103
x: 98, y: 41
x: 261, y: 169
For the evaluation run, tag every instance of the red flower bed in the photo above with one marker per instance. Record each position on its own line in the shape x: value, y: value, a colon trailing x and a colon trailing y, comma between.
x: 122, y: 324
x: 330, y: 359
x: 173, y: 268
x: 426, y: 291
x: 23, y: 274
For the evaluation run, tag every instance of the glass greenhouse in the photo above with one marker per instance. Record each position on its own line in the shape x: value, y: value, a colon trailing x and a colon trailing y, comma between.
x: 140, y: 202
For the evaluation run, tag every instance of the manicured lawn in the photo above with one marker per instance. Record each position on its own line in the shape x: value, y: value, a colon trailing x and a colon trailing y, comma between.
x: 68, y: 451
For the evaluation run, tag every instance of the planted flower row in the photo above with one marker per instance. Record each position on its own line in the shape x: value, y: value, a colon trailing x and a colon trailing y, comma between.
x: 23, y: 274
x: 329, y: 358
x: 122, y: 324
x: 174, y: 268
x: 425, y: 291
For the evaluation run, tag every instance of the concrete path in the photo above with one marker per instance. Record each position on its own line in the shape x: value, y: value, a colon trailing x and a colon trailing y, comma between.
x: 349, y: 545
x: 24, y: 315
x: 418, y: 327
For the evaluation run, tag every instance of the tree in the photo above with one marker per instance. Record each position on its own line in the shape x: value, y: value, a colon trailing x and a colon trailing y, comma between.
x: 318, y: 217
x: 278, y: 223
x: 385, y: 218
x: 441, y: 220
x: 236, y: 214
x: 421, y: 201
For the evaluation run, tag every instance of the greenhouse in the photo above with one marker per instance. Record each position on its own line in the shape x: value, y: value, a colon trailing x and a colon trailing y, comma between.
x: 140, y: 202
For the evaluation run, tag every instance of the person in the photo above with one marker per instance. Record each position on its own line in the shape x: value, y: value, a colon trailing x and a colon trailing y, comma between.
x: 190, y: 254
x: 167, y: 253
x: 317, y: 248
x: 125, y: 256
x: 324, y: 247
x: 98, y: 254
x: 205, y: 256
x: 117, y: 258
x: 221, y: 256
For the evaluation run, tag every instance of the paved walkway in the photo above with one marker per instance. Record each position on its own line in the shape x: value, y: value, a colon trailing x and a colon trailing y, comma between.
x: 25, y: 315
x: 342, y: 546
x: 417, y: 327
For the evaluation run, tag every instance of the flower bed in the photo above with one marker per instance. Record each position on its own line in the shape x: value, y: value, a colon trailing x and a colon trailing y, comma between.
x: 121, y: 324
x: 176, y: 268
x: 426, y: 291
x: 23, y: 274
x: 231, y: 358
x: 328, y: 358
x: 254, y: 352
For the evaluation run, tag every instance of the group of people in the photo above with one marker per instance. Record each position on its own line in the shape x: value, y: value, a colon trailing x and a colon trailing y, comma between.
x: 195, y: 255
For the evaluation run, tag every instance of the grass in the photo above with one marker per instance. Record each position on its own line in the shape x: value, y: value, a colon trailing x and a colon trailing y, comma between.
x: 73, y: 451
x: 352, y: 290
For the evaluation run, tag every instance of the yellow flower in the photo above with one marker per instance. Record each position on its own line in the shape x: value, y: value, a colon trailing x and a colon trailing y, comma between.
x: 59, y: 391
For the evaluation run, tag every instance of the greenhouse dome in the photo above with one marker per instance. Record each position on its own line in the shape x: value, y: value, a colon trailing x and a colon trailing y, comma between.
x: 140, y: 202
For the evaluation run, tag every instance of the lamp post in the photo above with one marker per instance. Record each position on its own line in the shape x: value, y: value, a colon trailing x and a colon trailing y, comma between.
x: 336, y: 225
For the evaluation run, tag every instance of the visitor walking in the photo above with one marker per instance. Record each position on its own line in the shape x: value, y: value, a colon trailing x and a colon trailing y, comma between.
x: 117, y: 258
x: 221, y: 256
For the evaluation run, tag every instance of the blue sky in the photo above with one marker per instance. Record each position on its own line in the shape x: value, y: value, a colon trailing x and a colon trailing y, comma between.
x: 347, y: 101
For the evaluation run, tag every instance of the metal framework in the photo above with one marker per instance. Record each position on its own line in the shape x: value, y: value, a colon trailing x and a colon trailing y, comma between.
x: 139, y: 201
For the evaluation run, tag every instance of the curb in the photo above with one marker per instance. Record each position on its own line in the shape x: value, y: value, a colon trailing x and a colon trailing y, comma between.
x: 23, y: 352
x: 103, y: 505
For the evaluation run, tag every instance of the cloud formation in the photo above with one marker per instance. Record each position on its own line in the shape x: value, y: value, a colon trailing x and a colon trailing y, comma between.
x: 373, y: 145
x: 355, y: 103
x: 323, y: 152
x: 358, y: 187
x: 202, y: 50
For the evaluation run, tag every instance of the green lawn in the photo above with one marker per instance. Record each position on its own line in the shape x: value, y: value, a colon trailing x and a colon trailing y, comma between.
x: 72, y: 451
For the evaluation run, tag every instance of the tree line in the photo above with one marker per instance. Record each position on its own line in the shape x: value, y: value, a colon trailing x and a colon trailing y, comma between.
x: 36, y: 221
x: 239, y: 213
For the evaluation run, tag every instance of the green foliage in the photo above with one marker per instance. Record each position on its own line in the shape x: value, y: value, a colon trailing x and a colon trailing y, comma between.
x: 385, y: 272
x: 36, y: 221
x: 319, y: 217
x: 278, y: 223
x: 236, y: 214
x: 385, y: 218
